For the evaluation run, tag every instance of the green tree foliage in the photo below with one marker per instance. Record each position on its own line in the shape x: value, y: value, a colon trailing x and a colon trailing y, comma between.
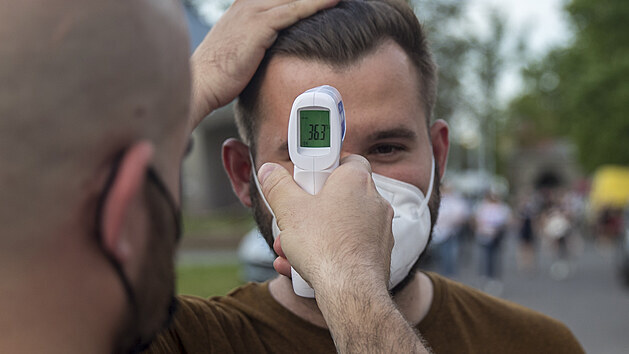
x: 490, y: 66
x: 442, y: 21
x: 471, y: 65
x: 582, y: 91
x: 445, y: 24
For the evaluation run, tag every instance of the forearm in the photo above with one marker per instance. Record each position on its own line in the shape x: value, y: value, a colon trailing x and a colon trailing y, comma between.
x: 365, y: 320
x: 200, y: 105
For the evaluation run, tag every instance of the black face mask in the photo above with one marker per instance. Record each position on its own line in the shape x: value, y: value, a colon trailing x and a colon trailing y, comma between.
x: 140, y: 342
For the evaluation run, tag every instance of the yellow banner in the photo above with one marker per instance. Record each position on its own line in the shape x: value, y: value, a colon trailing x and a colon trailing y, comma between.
x: 610, y: 187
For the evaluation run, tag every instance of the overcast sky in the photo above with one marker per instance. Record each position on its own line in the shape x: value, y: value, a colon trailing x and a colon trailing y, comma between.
x: 542, y: 20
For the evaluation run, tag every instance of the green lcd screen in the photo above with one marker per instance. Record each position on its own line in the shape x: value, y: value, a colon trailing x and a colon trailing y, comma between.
x: 314, y: 128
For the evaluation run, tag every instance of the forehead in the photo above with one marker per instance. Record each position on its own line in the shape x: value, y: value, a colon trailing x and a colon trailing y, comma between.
x: 380, y: 91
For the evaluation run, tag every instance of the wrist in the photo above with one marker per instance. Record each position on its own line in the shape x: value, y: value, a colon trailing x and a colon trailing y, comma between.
x: 355, y: 289
x: 202, y: 102
x: 362, y: 316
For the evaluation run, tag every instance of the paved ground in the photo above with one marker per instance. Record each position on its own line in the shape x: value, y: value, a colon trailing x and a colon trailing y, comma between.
x: 591, y: 300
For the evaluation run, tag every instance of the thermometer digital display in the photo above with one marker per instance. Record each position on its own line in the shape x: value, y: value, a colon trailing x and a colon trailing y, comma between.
x: 316, y: 130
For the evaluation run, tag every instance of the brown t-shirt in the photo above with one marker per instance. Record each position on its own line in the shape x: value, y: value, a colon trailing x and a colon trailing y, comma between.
x: 460, y: 320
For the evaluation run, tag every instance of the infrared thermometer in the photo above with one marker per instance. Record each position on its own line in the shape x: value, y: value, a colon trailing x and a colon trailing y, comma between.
x: 316, y: 130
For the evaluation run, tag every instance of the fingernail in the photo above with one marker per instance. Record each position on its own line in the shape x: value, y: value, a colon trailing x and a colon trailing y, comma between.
x: 265, y: 171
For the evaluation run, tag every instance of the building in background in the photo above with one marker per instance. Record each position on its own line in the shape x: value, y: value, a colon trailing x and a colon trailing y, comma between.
x: 548, y: 164
x: 205, y: 184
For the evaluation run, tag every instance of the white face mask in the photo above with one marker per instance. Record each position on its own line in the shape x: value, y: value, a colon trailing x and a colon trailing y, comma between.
x: 411, y: 226
x: 411, y: 222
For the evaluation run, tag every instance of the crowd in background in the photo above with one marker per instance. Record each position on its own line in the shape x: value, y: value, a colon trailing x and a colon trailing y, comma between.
x: 471, y: 231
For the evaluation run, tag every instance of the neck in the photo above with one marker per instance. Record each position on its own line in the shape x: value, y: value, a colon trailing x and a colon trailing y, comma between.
x: 46, y: 309
x: 413, y: 300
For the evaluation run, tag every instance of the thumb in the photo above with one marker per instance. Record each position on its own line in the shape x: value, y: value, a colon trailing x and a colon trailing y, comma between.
x: 278, y: 186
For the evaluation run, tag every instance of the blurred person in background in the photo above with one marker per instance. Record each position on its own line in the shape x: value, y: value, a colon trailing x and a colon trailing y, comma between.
x: 527, y: 213
x: 623, y: 250
x: 491, y: 219
x: 559, y: 227
x: 453, y: 216
x: 556, y: 228
x: 95, y: 120
x: 609, y: 224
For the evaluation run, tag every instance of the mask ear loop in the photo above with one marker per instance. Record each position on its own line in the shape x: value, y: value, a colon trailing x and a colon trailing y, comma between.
x: 430, y: 186
x: 275, y: 228
x: 98, y: 232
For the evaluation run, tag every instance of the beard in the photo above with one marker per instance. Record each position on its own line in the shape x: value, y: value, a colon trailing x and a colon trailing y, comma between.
x: 264, y: 219
x: 261, y: 215
x: 154, y: 290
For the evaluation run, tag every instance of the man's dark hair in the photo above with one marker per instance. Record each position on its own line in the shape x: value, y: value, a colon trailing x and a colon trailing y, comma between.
x: 340, y: 37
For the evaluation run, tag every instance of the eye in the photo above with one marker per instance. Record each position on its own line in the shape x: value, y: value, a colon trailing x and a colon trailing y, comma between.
x: 386, y: 149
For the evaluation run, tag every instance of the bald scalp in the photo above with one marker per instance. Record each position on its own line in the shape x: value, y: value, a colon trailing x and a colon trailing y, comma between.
x: 80, y: 81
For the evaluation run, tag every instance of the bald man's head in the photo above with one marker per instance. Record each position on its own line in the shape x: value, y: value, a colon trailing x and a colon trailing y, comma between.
x: 80, y: 81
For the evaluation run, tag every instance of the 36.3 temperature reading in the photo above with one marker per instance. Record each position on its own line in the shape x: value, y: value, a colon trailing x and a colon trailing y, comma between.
x: 317, y: 131
x: 314, y: 127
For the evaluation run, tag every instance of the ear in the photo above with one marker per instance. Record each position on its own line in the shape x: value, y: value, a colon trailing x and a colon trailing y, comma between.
x: 238, y: 167
x: 125, y: 190
x: 439, y: 134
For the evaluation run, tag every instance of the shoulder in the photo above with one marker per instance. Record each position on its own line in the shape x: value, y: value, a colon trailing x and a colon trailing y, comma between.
x: 497, y: 322
x: 247, y: 320
x: 221, y: 308
x: 206, y: 325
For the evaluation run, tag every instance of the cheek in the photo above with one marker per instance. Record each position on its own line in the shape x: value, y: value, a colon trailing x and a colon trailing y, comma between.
x: 409, y: 173
x: 263, y: 158
x: 397, y: 171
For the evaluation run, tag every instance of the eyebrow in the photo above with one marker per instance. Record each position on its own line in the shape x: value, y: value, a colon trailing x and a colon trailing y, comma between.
x: 399, y: 133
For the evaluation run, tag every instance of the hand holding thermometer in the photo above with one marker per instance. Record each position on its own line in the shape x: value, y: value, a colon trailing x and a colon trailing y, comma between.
x: 316, y: 130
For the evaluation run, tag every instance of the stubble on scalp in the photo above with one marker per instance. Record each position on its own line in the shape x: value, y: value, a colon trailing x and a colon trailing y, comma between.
x: 74, y: 91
